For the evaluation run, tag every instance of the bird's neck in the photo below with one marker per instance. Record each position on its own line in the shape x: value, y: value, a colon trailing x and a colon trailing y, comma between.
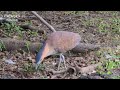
x: 51, y: 51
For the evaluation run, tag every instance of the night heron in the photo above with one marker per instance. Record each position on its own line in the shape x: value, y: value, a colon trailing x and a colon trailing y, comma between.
x: 58, y: 42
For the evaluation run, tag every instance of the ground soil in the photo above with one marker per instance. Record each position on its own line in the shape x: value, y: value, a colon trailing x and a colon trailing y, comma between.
x: 85, y: 23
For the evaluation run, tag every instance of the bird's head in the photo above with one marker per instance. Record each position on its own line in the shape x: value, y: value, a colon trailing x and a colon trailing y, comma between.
x: 42, y: 53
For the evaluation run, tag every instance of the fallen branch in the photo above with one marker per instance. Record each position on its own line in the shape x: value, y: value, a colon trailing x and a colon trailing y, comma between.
x: 65, y: 73
x: 70, y: 70
x: 43, y: 21
x: 82, y: 47
x: 13, y: 44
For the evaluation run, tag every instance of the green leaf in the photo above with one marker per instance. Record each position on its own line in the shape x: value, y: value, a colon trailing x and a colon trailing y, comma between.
x: 109, y: 72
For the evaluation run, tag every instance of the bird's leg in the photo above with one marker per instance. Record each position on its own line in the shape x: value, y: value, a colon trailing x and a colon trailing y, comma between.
x: 62, y: 59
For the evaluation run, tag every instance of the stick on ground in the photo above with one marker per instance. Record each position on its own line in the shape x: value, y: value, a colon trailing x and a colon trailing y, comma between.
x: 43, y: 21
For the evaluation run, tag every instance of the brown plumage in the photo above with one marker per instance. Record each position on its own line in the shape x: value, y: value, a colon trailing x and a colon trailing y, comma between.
x: 63, y: 41
x: 58, y: 42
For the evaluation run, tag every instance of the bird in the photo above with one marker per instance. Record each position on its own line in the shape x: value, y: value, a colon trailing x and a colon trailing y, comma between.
x: 58, y: 42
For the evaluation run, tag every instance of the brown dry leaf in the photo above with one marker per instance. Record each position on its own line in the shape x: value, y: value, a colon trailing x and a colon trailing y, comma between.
x: 89, y: 69
x: 9, y: 61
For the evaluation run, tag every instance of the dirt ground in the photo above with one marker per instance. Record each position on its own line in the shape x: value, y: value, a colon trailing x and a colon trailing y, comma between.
x: 95, y: 27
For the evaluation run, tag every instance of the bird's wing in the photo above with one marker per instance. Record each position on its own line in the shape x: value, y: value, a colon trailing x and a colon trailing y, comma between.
x: 63, y: 41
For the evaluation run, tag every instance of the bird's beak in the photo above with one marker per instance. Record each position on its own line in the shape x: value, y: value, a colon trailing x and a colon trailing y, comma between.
x: 36, y: 66
x: 41, y: 55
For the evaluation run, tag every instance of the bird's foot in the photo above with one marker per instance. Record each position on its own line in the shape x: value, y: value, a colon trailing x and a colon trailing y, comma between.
x: 62, y: 59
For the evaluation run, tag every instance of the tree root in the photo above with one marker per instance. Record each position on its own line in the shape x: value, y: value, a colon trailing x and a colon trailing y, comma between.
x: 75, y: 70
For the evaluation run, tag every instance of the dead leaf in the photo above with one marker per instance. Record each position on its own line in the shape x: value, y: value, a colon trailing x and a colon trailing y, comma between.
x: 89, y: 69
x: 9, y: 61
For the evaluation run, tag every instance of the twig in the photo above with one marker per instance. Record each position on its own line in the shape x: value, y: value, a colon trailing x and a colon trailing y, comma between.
x: 65, y: 73
x: 55, y: 76
x: 70, y: 70
x: 43, y: 21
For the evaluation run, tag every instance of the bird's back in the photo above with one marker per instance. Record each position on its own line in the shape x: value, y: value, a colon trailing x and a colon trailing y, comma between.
x: 63, y: 41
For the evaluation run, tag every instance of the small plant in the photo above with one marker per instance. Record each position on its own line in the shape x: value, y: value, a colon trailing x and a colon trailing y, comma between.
x: 28, y: 22
x: 115, y: 25
x: 30, y: 68
x: 116, y: 77
x: 32, y: 33
x: 112, y: 65
x: 103, y: 27
x: 2, y: 46
x: 41, y: 67
x: 108, y: 66
x: 12, y: 28
x: 108, y: 63
x: 27, y: 45
x: 71, y: 12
